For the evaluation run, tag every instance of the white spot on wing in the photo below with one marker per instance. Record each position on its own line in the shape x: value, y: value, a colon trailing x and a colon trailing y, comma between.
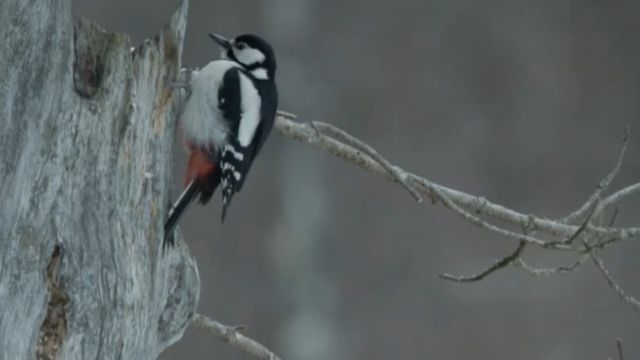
x: 237, y: 175
x: 227, y: 166
x: 236, y: 154
x: 250, y: 105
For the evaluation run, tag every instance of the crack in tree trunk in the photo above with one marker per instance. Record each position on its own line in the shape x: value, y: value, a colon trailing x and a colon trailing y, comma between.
x: 54, y: 326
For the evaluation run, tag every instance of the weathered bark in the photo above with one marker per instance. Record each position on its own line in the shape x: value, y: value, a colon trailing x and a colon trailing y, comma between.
x: 86, y: 141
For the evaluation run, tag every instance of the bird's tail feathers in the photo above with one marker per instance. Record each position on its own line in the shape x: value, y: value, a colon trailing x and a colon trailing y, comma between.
x: 178, y: 209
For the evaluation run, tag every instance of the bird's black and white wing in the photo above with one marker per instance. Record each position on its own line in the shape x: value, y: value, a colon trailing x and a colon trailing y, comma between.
x: 240, y: 103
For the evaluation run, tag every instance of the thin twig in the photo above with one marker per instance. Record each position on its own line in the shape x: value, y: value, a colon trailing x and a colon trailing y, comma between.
x: 614, y: 216
x: 614, y: 284
x: 610, y: 280
x: 603, y: 185
x: 560, y: 270
x: 619, y: 346
x: 585, y: 223
x: 501, y: 263
x: 342, y: 136
x: 602, y: 244
x: 287, y: 115
x: 231, y: 336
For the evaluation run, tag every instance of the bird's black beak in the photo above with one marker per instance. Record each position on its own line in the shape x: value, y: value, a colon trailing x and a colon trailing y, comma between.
x: 221, y: 40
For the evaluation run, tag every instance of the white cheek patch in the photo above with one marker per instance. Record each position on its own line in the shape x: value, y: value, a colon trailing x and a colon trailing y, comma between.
x: 249, y: 56
x: 250, y: 105
x: 260, y: 73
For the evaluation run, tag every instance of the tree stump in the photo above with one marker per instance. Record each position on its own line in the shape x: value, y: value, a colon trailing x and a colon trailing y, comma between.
x: 86, y: 166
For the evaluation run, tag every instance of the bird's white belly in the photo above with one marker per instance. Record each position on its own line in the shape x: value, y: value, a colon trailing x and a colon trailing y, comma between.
x: 203, y: 124
x: 201, y: 120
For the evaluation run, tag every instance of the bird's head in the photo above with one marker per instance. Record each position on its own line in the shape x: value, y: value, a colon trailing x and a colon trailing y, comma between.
x: 250, y: 51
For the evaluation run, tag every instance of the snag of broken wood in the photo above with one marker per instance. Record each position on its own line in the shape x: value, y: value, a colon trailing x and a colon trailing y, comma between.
x: 84, y: 120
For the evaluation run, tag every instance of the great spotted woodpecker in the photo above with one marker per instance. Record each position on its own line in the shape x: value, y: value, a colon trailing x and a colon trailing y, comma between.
x: 225, y: 121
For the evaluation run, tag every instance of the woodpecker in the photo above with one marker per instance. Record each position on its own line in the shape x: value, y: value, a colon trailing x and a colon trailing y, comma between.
x: 225, y: 121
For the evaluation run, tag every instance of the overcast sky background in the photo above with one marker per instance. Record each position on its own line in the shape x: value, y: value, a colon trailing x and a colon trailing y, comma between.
x: 523, y: 102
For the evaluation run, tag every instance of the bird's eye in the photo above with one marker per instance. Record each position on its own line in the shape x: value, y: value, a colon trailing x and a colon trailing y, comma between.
x: 241, y: 46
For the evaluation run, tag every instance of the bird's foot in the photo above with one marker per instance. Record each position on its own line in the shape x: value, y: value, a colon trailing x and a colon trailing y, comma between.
x: 183, y: 81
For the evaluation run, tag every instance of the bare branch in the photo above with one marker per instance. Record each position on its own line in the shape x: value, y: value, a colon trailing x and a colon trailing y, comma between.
x: 620, y: 194
x: 501, y: 263
x: 306, y: 133
x: 485, y: 225
x: 231, y: 336
x: 462, y: 203
x: 470, y: 207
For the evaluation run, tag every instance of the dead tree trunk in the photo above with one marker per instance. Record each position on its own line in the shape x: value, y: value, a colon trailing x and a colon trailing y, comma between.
x: 86, y: 142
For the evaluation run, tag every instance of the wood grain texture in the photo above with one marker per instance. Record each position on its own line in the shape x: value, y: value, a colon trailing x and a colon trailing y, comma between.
x: 86, y: 167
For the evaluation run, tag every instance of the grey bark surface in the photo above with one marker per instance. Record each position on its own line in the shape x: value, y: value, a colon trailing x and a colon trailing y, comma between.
x: 86, y: 144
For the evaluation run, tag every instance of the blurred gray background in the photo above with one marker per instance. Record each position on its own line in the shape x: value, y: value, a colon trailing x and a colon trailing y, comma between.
x: 523, y: 102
